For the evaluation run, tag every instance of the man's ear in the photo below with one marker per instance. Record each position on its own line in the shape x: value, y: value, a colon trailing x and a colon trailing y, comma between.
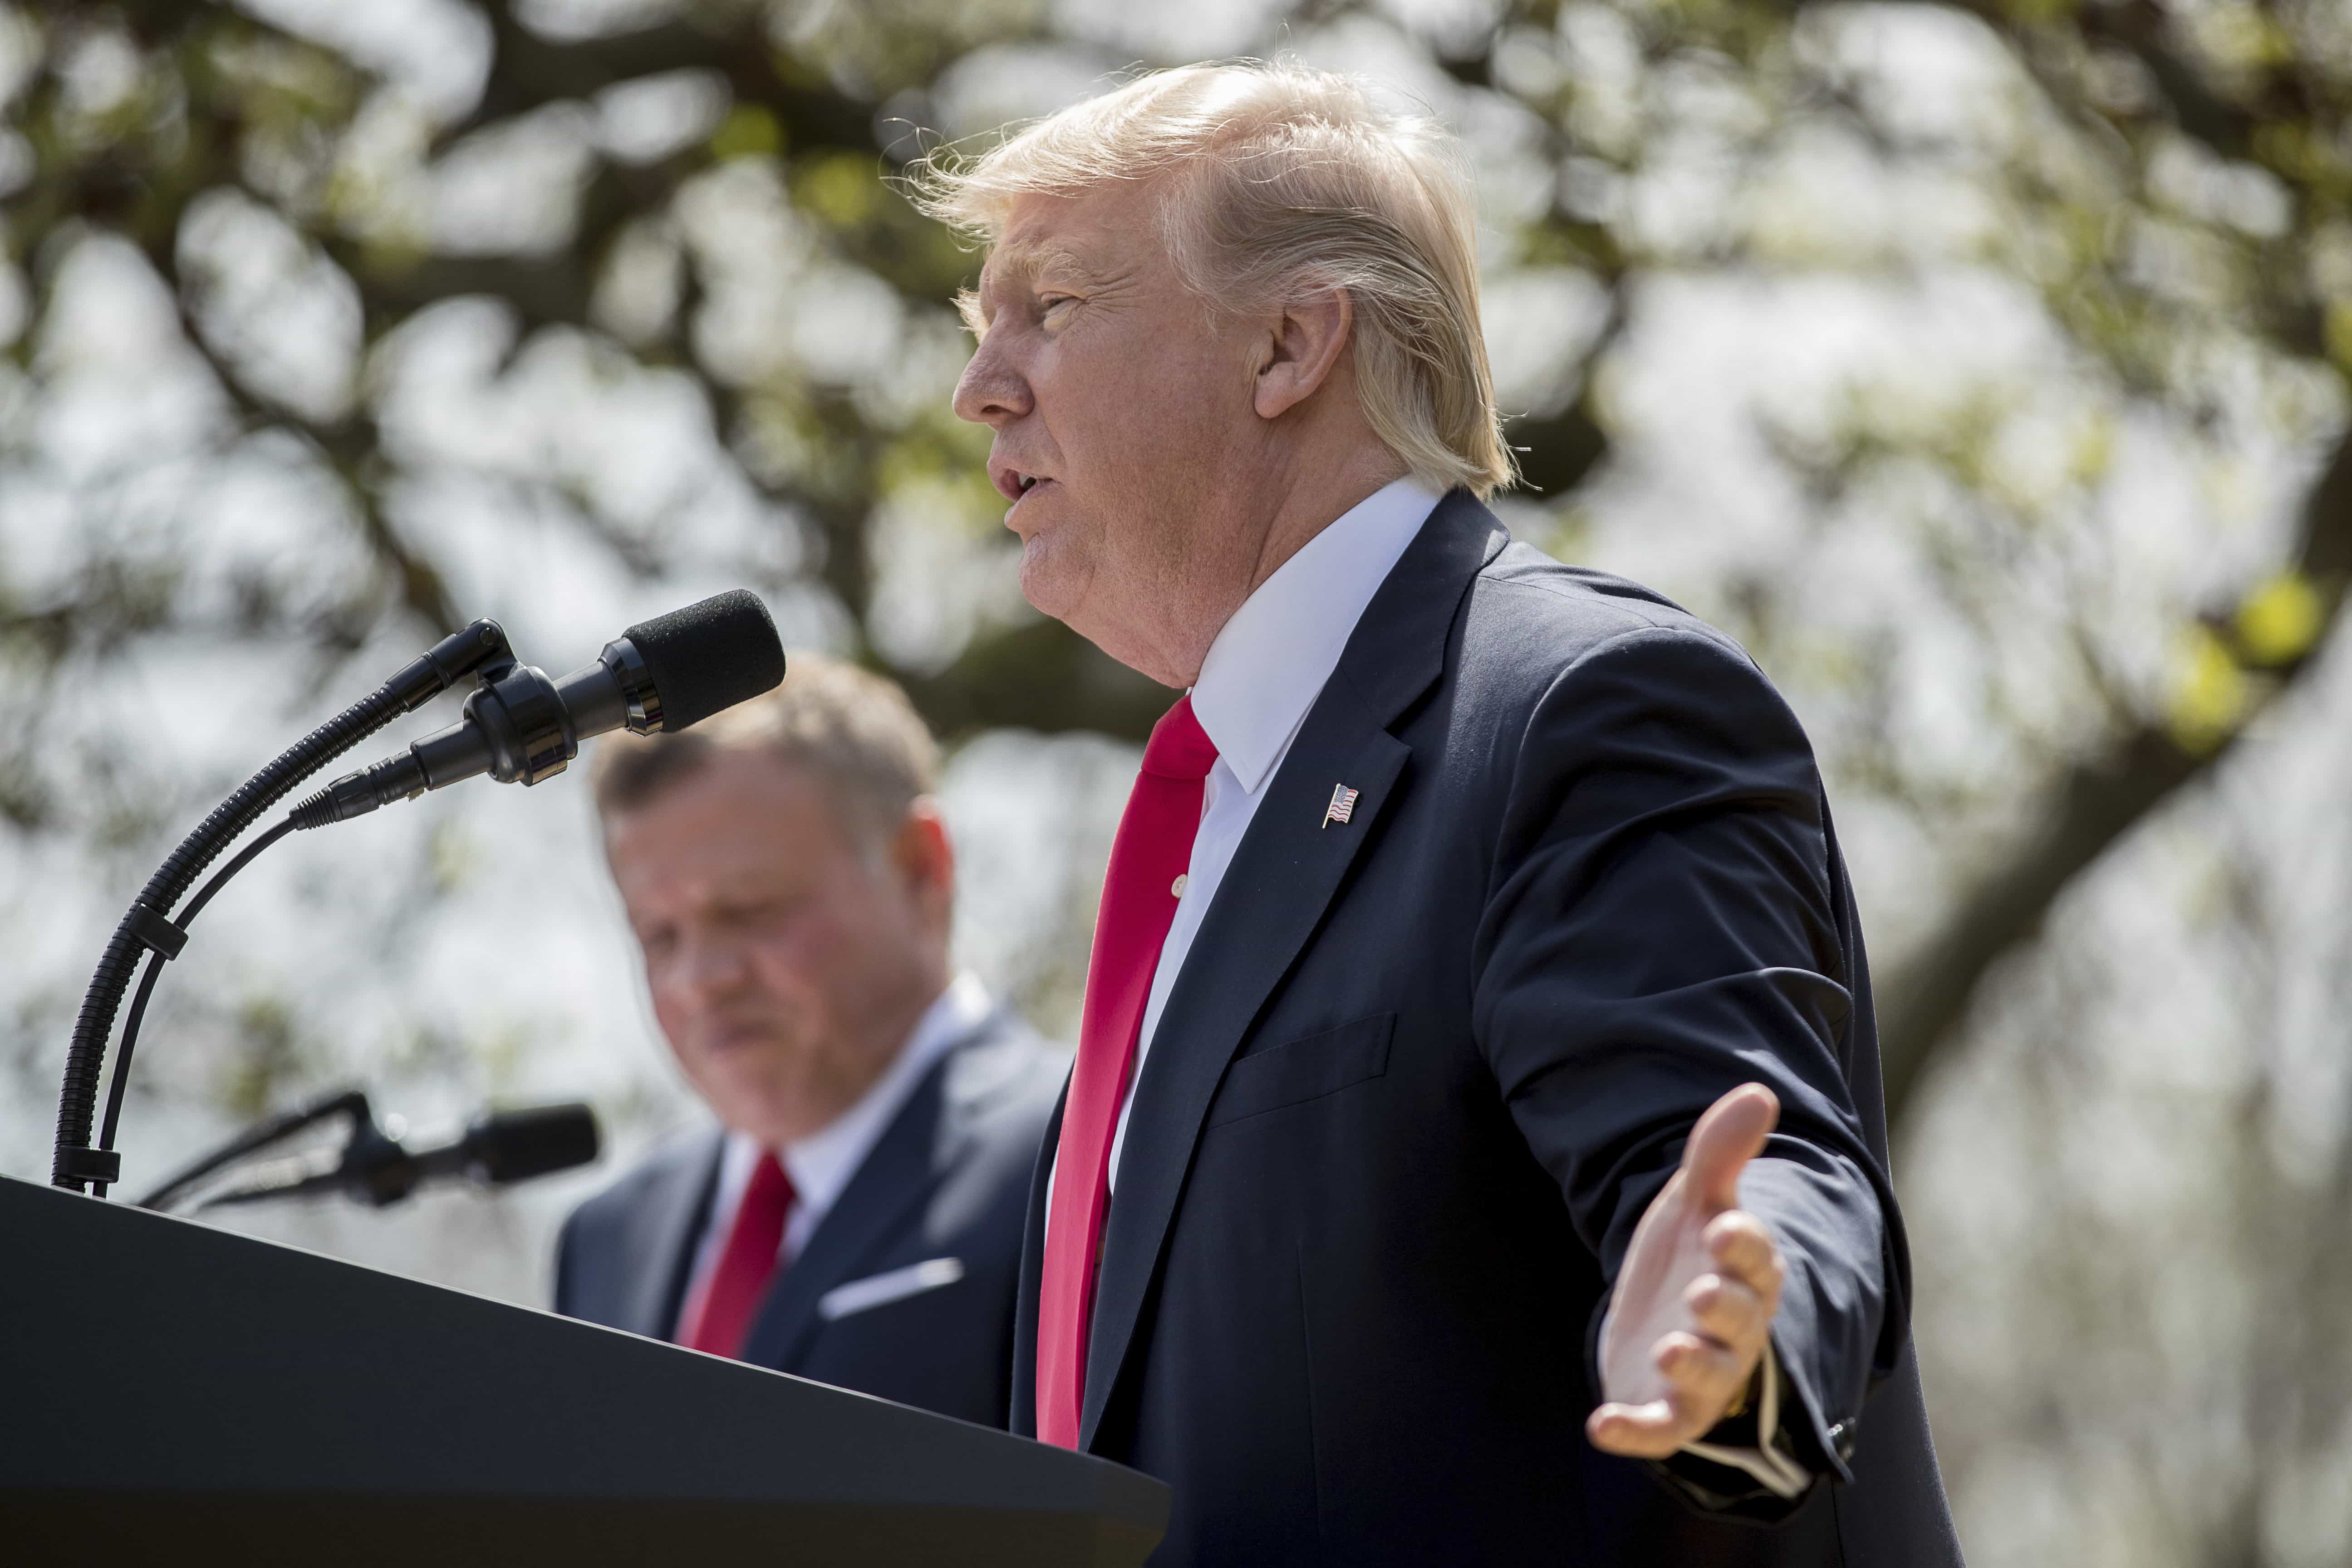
x: 925, y: 859
x: 1309, y: 336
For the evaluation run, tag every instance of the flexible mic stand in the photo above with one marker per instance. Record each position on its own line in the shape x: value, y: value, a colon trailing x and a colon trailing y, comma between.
x: 498, y: 1149
x: 520, y: 727
x: 148, y: 923
x: 350, y: 1102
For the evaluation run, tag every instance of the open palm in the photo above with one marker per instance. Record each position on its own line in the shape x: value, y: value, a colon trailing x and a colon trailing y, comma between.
x: 1694, y: 1302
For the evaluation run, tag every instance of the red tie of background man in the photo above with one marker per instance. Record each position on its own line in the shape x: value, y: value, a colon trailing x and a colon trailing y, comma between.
x: 1139, y: 901
x: 721, y: 1315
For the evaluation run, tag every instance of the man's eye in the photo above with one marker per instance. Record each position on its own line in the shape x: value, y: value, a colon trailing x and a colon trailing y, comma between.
x: 1049, y: 303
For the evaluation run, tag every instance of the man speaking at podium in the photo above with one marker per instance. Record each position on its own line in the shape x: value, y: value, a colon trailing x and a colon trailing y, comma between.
x: 856, y: 1217
x: 1475, y: 1152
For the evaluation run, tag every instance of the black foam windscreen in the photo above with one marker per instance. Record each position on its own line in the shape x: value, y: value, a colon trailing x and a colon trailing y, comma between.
x: 516, y: 1145
x: 710, y: 655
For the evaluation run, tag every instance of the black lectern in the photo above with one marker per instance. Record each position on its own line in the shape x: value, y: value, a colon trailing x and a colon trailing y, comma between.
x: 174, y: 1394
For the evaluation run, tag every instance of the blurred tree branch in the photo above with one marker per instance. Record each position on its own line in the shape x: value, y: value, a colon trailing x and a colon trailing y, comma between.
x: 1041, y: 675
x: 2167, y: 193
x: 2100, y: 799
x: 2277, y: 117
x: 194, y: 124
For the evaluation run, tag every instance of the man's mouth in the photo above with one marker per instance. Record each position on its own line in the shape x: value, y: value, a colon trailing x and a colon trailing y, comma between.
x: 1015, y: 483
x: 728, y: 1039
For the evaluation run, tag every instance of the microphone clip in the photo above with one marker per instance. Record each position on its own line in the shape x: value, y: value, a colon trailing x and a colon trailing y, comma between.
x: 522, y: 718
x: 480, y: 646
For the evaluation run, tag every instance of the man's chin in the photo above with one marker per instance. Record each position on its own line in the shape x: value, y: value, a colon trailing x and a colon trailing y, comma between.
x: 746, y: 1093
x: 770, y: 1120
x: 1062, y: 581
x: 1050, y: 580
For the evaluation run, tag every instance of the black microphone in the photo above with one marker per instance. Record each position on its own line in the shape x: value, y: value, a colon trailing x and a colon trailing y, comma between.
x: 496, y: 1150
x: 515, y: 1145
x: 520, y: 727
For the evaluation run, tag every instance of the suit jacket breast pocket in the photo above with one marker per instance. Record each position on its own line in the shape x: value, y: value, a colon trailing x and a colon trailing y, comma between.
x: 1303, y: 1070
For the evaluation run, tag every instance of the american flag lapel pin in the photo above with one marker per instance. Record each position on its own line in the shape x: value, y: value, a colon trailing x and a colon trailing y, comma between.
x: 1342, y: 807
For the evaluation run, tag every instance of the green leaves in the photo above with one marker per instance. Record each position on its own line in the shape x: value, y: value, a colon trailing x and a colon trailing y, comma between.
x: 749, y: 130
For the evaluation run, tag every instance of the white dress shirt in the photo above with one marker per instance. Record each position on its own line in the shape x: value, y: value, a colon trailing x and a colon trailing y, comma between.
x: 822, y: 1164
x: 1261, y: 675
x: 1260, y: 678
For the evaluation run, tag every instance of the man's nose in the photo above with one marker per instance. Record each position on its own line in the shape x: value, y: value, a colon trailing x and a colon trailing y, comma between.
x: 715, y: 966
x: 990, y: 392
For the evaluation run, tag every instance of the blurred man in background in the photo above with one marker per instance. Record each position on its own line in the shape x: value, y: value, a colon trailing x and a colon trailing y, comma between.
x: 854, y: 1214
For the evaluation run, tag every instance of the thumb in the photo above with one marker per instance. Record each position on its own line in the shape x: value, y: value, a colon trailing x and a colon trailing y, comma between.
x: 1731, y: 1133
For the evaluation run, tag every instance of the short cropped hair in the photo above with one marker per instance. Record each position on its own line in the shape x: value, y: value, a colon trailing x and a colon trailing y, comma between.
x: 1285, y: 181
x: 851, y: 729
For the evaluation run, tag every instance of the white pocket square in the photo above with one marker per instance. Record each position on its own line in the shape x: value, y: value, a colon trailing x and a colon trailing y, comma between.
x: 881, y: 1290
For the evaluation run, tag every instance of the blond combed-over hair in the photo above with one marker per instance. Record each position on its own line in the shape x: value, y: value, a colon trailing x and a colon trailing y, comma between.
x: 1283, y: 181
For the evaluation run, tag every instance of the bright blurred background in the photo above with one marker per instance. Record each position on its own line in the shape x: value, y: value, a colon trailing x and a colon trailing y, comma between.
x: 1981, y: 363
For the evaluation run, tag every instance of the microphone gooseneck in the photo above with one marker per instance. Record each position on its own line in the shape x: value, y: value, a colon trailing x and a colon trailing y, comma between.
x: 147, y: 925
x: 497, y: 1149
x: 660, y: 675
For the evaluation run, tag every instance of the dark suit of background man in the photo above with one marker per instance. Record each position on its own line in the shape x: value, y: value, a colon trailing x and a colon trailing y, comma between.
x: 1475, y: 1153
x: 854, y: 1216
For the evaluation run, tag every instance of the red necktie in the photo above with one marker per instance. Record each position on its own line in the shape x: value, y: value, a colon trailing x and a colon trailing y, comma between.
x: 721, y: 1314
x: 1139, y: 901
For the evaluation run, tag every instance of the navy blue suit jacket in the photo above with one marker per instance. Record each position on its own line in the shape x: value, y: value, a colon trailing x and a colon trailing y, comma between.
x: 1422, y: 1072
x: 945, y: 1180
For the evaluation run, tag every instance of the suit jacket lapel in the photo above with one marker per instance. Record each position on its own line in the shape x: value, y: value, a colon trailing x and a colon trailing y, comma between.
x: 894, y: 1182
x: 1272, y: 897
x: 659, y: 1242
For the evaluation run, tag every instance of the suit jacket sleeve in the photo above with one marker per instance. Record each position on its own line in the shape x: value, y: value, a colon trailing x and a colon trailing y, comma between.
x: 1661, y: 926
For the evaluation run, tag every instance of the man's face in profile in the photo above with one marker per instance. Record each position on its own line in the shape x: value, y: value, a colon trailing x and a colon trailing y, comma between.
x: 787, y: 956
x: 1121, y: 407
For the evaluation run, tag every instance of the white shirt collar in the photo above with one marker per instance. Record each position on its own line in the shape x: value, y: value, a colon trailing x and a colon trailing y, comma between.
x: 822, y: 1164
x: 1266, y: 667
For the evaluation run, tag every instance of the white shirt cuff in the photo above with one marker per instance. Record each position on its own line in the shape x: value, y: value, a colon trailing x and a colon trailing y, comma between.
x: 1770, y: 1462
